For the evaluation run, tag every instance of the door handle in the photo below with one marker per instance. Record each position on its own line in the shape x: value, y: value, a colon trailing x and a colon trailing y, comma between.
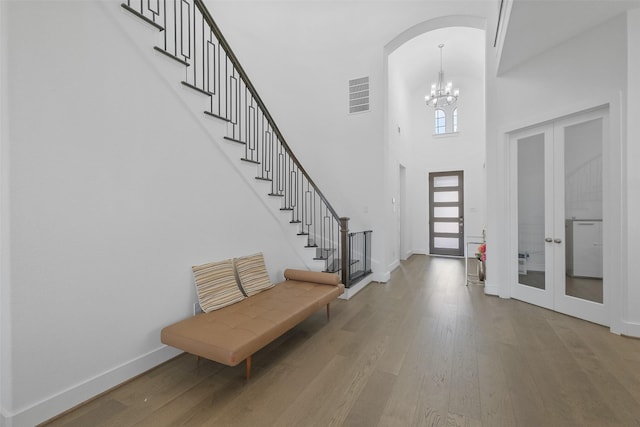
x: 557, y: 240
x: 548, y: 240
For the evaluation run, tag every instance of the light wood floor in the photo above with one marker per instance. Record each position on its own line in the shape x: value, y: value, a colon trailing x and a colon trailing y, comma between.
x: 422, y: 349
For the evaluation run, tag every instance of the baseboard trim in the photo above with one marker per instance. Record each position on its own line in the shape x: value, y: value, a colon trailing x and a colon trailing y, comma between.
x: 407, y: 255
x: 382, y: 277
x: 350, y: 292
x: 75, y: 395
x: 630, y: 329
x: 491, y: 289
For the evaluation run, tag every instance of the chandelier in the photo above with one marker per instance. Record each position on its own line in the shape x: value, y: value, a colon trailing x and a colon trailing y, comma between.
x: 441, y: 95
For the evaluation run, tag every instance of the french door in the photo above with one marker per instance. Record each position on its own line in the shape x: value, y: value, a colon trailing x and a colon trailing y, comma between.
x: 446, y: 213
x: 558, y: 196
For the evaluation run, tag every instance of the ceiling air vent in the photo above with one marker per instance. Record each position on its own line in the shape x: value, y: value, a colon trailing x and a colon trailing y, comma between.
x: 359, y: 95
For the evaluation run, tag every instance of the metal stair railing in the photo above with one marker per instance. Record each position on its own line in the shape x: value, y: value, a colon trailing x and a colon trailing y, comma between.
x: 191, y: 37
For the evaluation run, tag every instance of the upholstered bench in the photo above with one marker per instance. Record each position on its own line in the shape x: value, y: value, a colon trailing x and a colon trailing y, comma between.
x: 239, y: 324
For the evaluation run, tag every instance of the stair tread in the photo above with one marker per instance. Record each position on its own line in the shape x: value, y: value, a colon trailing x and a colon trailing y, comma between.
x: 141, y: 16
x: 228, y: 138
x: 250, y: 161
x: 209, y: 113
x: 196, y: 88
x: 172, y: 56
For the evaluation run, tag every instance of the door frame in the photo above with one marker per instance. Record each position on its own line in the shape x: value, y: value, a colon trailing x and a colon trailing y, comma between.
x: 402, y: 216
x: 554, y: 297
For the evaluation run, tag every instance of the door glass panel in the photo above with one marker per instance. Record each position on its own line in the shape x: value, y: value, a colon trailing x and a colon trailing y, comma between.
x: 446, y: 227
x: 446, y: 242
x: 445, y: 181
x: 445, y: 212
x: 445, y: 196
x: 583, y: 210
x: 531, y: 212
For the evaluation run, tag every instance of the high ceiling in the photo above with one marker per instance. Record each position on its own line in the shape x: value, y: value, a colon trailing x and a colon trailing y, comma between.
x: 419, y: 58
x: 534, y: 26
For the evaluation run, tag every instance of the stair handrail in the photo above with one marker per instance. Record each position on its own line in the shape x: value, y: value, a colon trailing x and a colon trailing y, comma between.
x: 236, y: 63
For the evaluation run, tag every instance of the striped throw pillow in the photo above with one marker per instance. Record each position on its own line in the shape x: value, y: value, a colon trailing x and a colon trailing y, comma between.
x: 216, y: 285
x: 252, y: 274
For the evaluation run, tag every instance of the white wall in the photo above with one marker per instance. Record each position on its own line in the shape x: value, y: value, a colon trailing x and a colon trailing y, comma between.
x: 5, y: 296
x: 117, y: 186
x: 400, y: 137
x: 631, y: 306
x: 577, y: 74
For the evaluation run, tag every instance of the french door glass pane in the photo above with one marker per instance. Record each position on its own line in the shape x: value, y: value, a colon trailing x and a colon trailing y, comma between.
x: 445, y: 181
x: 446, y: 242
x: 445, y: 196
x: 531, y: 211
x: 446, y: 212
x: 583, y: 210
x: 446, y: 227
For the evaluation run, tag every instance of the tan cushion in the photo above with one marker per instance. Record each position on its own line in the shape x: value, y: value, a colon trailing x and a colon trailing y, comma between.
x: 252, y: 274
x: 312, y: 276
x: 216, y: 285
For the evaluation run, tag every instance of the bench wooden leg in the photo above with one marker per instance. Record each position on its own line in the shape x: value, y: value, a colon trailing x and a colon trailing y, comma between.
x: 248, y: 362
x: 197, y: 361
x: 329, y: 311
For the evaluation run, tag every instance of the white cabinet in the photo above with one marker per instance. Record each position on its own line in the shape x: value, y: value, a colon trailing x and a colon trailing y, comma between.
x: 584, y: 248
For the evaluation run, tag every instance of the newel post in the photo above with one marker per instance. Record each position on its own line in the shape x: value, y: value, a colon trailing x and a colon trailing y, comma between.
x: 344, y: 249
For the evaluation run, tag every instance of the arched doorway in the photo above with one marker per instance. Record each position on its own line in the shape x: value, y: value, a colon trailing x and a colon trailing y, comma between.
x: 411, y: 63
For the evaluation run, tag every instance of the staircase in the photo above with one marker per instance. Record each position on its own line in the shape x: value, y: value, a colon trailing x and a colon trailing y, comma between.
x: 190, y: 36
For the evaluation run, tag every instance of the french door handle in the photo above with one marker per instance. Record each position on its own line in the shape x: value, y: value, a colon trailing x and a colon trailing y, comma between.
x: 557, y: 240
x: 548, y: 240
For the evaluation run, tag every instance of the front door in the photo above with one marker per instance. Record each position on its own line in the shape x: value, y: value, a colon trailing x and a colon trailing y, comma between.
x: 446, y: 213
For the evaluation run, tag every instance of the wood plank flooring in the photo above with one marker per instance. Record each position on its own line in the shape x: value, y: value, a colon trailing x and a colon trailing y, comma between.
x: 420, y: 350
